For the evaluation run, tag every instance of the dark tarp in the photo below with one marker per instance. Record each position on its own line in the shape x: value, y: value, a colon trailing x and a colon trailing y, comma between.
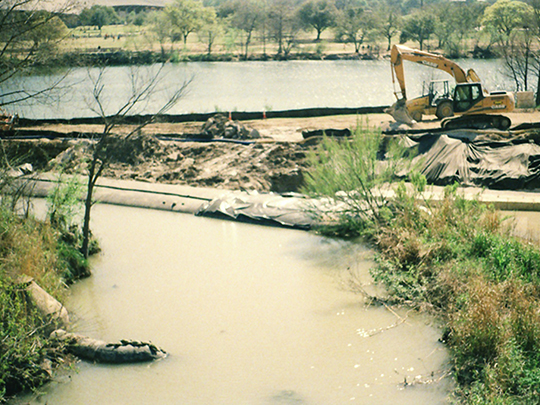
x: 462, y: 157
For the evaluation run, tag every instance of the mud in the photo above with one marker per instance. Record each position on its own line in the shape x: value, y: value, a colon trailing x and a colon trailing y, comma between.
x: 274, y: 162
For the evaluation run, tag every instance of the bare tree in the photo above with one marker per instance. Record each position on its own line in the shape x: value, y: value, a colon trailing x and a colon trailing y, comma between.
x: 30, y: 31
x: 246, y: 16
x: 519, y: 57
x: 283, y: 26
x: 142, y: 92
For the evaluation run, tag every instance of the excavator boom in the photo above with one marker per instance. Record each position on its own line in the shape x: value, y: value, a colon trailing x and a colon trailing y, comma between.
x: 401, y: 53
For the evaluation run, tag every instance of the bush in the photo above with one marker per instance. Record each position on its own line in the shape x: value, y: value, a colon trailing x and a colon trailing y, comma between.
x: 453, y: 257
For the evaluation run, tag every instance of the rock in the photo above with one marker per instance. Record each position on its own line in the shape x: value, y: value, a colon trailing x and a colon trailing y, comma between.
x: 173, y: 157
x: 254, y: 134
x: 50, y: 309
x: 286, y: 181
x: 219, y: 126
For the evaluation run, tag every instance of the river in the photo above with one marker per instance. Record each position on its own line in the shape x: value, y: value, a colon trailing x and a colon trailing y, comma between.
x: 242, y: 86
x: 248, y: 314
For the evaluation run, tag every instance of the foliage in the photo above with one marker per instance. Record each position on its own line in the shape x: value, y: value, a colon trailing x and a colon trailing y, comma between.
x: 507, y: 15
x: 350, y: 173
x: 65, y: 214
x: 457, y: 22
x: 282, y: 26
x: 63, y: 202
x: 418, y: 27
x: 35, y: 249
x: 244, y: 15
x: 318, y: 15
x: 389, y: 24
x: 210, y: 29
x: 185, y: 17
x: 452, y: 257
x: 99, y: 16
x: 354, y: 24
x: 510, y: 24
x: 161, y: 26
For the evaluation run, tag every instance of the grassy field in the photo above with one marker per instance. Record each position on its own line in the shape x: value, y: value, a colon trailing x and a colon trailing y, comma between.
x: 134, y: 38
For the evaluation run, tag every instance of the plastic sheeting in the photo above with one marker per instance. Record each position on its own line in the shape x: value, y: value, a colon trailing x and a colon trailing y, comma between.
x: 286, y: 210
x: 512, y: 164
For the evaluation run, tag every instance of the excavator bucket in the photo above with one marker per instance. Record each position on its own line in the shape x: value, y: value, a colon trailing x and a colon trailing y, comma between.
x: 400, y: 113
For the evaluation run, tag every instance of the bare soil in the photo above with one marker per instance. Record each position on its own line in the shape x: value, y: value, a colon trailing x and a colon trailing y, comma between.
x: 274, y: 162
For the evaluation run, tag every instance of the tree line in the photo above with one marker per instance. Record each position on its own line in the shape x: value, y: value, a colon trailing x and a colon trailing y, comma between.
x: 455, y: 26
x: 505, y: 28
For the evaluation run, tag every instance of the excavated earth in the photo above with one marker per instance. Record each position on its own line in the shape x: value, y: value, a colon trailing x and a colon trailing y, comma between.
x: 275, y: 161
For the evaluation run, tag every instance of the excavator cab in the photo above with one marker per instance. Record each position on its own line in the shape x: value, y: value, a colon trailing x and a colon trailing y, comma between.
x: 467, y: 95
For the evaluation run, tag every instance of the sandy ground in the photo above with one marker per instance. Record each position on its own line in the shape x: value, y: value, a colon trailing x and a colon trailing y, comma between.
x: 275, y: 162
x: 288, y: 129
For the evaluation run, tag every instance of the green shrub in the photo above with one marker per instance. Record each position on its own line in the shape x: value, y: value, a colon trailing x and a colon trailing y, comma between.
x: 453, y: 257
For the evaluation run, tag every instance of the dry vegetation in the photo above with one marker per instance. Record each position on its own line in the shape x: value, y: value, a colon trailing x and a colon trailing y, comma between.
x: 453, y: 258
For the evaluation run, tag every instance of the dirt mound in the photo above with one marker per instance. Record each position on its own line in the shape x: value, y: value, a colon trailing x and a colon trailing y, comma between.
x: 271, y: 166
x: 137, y: 149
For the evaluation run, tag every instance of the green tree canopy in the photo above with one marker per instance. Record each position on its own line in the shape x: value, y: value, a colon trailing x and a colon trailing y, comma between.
x: 389, y: 22
x: 244, y: 15
x: 282, y: 25
x: 185, y: 16
x: 418, y: 27
x: 506, y: 15
x: 318, y: 15
x: 456, y: 22
x: 210, y: 29
x: 99, y: 16
x: 354, y: 24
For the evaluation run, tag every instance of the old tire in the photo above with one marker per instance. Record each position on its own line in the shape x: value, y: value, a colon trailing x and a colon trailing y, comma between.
x: 444, y: 110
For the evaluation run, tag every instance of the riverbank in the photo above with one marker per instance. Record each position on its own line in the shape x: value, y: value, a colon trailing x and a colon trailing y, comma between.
x: 455, y: 258
x: 122, y: 57
x: 276, y: 161
x: 32, y: 251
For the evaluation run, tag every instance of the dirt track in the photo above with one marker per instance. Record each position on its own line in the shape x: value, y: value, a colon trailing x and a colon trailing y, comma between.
x: 275, y: 162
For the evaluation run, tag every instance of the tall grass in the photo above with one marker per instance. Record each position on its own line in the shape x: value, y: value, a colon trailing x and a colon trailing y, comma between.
x: 453, y: 258
x: 44, y: 252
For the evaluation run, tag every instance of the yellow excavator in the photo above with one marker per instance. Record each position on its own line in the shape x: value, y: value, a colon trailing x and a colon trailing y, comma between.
x: 473, y: 105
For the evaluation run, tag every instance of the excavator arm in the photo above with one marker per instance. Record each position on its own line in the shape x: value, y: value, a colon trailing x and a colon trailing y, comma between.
x: 402, y: 53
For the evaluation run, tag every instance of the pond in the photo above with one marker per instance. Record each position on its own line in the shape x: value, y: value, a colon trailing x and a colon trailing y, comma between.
x: 248, y: 314
x: 242, y: 86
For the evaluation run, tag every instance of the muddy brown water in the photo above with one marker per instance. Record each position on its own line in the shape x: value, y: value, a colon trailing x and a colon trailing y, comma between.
x: 248, y: 314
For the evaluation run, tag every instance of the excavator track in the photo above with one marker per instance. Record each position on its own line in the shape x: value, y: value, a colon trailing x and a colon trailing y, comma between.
x: 477, y: 121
